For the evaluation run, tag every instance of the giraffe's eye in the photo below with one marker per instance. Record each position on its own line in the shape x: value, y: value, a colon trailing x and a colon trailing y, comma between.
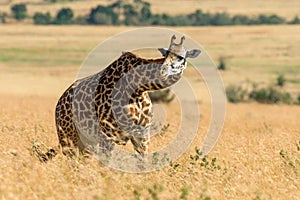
x: 180, y: 58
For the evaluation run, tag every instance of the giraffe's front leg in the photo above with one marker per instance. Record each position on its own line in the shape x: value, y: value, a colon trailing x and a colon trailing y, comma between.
x: 140, y: 144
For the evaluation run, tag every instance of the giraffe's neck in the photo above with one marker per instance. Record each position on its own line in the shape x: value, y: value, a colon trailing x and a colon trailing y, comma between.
x: 138, y: 75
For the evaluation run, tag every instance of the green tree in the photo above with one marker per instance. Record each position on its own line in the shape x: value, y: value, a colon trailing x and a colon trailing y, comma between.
x: 131, y: 15
x: 103, y: 15
x: 3, y: 16
x: 163, y: 19
x: 270, y: 95
x: 281, y: 80
x: 64, y: 16
x: 156, y: 19
x: 179, y: 20
x: 19, y: 11
x: 221, y: 19
x: 222, y: 64
x: 138, y: 13
x: 146, y: 11
x: 235, y: 94
x: 241, y: 20
x: 296, y: 20
x: 275, y: 19
x: 265, y: 19
x: 81, y: 19
x: 198, y: 18
x: 41, y: 18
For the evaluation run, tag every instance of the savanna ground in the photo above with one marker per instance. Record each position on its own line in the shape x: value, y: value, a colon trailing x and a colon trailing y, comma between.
x: 256, y: 157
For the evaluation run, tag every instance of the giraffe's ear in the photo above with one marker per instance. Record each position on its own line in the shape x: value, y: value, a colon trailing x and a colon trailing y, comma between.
x: 163, y: 51
x: 193, y: 53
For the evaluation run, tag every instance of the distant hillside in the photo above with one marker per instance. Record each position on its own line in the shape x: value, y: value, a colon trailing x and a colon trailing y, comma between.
x: 136, y: 13
x: 287, y: 9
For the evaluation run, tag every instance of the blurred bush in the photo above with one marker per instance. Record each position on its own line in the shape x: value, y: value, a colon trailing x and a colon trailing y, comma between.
x: 41, y: 18
x: 222, y: 64
x: 64, y: 16
x: 139, y: 14
x: 162, y: 96
x: 19, y: 11
x: 271, y: 95
x: 236, y: 94
x: 281, y: 80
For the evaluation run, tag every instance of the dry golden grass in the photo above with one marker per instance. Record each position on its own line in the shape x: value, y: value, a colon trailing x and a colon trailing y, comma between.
x: 288, y: 9
x: 248, y: 151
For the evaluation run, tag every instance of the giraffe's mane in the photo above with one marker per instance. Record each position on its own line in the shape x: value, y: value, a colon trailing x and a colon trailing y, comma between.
x: 150, y: 60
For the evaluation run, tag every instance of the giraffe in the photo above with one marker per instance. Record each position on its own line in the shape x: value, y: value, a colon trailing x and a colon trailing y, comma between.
x: 113, y: 106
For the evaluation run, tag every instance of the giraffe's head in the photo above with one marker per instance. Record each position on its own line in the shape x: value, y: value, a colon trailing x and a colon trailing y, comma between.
x: 175, y: 57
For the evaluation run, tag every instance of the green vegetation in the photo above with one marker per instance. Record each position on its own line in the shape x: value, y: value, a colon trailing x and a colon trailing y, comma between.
x: 235, y: 94
x: 137, y: 14
x: 64, y: 16
x: 269, y: 95
x: 222, y: 64
x: 37, y: 56
x: 102, y: 15
x: 204, y: 161
x: 19, y: 11
x: 155, y: 190
x: 137, y: 195
x: 162, y: 96
x: 204, y: 196
x: 290, y: 159
x: 281, y: 80
x: 296, y: 20
x: 140, y: 14
x: 40, y: 18
x: 184, y: 193
x: 3, y: 16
